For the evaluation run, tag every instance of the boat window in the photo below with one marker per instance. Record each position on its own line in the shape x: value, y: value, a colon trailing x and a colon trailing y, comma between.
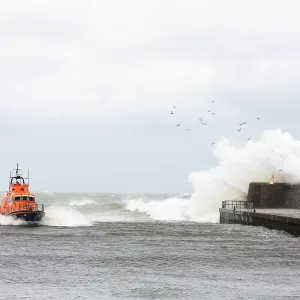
x: 17, y: 198
x: 31, y: 199
x: 25, y: 198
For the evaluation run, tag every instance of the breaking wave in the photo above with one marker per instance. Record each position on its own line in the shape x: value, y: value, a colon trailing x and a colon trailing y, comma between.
x: 6, y: 220
x: 274, y: 152
x: 172, y: 209
x: 57, y: 215
x: 81, y: 202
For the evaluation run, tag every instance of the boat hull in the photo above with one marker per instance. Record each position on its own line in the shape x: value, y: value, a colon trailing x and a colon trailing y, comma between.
x: 27, y: 215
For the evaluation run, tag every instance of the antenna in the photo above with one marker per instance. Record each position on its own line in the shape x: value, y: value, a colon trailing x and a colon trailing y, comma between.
x: 17, y: 170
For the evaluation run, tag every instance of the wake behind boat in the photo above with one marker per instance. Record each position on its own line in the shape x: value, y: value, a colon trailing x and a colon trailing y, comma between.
x: 19, y: 202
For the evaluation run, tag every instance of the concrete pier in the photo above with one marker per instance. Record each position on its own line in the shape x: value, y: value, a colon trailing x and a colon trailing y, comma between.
x: 273, y: 205
x: 243, y: 212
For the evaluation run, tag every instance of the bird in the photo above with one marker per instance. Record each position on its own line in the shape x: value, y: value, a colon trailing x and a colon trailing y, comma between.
x: 171, y: 113
x: 280, y: 170
x: 178, y: 125
x: 241, y: 124
x: 239, y: 129
x: 249, y: 138
x: 188, y: 129
x: 209, y: 111
x: 212, y: 144
x: 245, y: 123
x: 258, y: 118
x: 201, y: 119
x: 174, y: 106
x: 213, y: 101
x: 213, y: 113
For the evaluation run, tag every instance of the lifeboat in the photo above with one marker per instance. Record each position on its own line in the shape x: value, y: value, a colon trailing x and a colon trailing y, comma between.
x: 19, y: 202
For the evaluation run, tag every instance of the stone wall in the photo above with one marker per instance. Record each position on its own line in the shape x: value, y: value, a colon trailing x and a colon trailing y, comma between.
x: 277, y: 195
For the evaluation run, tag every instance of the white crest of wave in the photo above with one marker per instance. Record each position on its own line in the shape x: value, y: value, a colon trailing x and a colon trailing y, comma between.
x: 56, y: 215
x: 229, y: 180
x: 8, y: 220
x: 167, y: 209
x: 81, y: 202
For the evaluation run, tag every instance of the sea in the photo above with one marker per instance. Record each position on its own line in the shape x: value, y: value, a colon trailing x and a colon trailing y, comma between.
x: 121, y: 246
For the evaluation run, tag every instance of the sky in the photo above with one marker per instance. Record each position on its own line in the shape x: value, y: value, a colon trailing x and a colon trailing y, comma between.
x: 86, y: 87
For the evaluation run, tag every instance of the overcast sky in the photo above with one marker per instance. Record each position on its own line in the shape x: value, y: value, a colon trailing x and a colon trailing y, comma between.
x: 86, y: 87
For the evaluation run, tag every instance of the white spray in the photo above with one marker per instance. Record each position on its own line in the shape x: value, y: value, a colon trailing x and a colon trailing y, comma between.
x: 274, y: 153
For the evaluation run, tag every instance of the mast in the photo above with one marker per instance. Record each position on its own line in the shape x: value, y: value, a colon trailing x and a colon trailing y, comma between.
x: 17, y: 170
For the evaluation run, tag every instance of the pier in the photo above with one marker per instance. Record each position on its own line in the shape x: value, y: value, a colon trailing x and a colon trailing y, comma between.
x: 235, y: 212
x: 272, y: 205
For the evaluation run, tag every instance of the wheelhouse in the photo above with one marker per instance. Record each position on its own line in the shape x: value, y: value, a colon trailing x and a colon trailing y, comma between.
x: 23, y: 198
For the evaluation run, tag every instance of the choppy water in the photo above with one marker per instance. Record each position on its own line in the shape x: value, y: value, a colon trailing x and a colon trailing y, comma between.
x: 113, y: 247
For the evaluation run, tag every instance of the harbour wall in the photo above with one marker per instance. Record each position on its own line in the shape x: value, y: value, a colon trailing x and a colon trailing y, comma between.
x: 273, y: 205
x: 278, y: 219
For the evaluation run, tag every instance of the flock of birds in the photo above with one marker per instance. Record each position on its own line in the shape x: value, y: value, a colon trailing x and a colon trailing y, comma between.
x: 204, y: 123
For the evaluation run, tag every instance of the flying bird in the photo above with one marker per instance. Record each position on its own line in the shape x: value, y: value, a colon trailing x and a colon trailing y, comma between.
x: 213, y: 101
x: 258, y: 118
x: 178, y: 125
x: 245, y: 123
x: 213, y: 113
x: 209, y: 111
x: 201, y: 119
x: 249, y: 138
x: 280, y: 170
x: 174, y: 106
x: 239, y: 129
x: 241, y: 124
x: 171, y: 113
x: 212, y: 144
x: 188, y: 129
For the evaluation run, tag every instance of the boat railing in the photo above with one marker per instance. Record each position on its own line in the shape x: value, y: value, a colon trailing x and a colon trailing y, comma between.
x: 30, y: 207
x: 237, y: 205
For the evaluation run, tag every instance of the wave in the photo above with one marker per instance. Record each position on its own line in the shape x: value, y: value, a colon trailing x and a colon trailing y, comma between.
x: 172, y: 209
x: 58, y: 215
x: 229, y: 179
x: 238, y: 166
x: 82, y: 202
x: 8, y: 220
x: 166, y: 209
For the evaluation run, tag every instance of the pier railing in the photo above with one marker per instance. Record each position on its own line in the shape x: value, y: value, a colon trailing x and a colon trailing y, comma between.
x: 237, y: 204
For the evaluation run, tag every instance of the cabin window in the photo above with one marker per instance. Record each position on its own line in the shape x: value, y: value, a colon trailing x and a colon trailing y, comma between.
x: 17, y: 198
x: 24, y: 198
x: 31, y: 199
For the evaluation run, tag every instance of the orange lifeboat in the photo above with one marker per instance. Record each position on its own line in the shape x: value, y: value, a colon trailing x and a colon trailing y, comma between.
x: 19, y: 202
